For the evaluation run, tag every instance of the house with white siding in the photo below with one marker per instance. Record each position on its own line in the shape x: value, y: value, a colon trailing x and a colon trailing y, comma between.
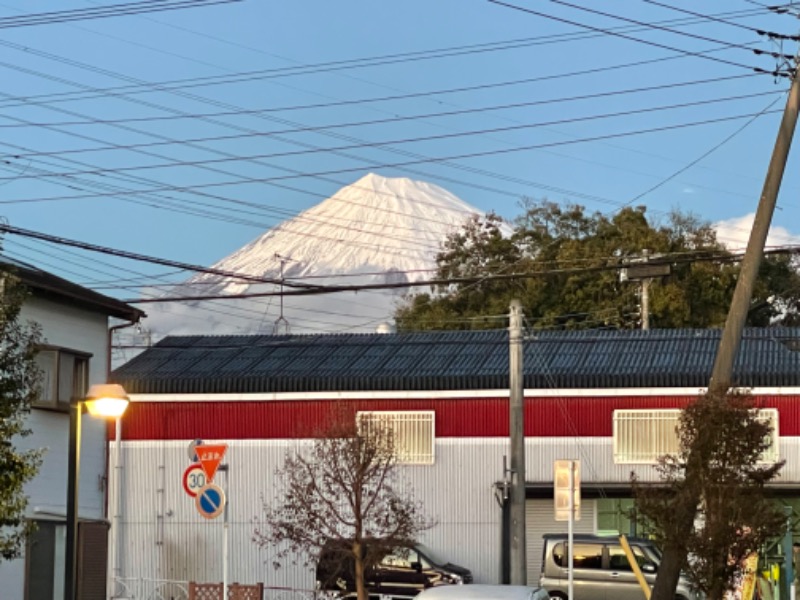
x: 609, y: 399
x: 75, y: 326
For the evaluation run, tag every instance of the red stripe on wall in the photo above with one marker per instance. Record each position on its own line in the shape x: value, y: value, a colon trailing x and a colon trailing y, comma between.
x: 455, y: 417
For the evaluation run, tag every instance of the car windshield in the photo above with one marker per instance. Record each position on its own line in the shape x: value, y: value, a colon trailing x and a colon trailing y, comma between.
x: 431, y: 555
x: 654, y: 553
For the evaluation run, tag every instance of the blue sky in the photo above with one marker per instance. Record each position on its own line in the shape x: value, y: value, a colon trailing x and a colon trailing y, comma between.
x: 65, y: 174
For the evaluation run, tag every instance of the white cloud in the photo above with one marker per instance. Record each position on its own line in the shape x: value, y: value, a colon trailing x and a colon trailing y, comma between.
x: 734, y: 233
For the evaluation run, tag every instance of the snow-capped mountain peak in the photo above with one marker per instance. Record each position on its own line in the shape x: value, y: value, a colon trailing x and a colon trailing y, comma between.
x: 374, y: 230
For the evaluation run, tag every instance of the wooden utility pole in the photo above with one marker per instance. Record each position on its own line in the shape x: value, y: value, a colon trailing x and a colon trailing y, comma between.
x: 722, y: 373
x: 519, y: 563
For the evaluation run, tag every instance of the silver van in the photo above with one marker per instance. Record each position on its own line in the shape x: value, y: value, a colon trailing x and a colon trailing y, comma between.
x: 601, y: 569
x: 483, y: 592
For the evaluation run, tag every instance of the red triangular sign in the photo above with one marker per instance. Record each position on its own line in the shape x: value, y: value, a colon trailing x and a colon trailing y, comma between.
x: 210, y: 455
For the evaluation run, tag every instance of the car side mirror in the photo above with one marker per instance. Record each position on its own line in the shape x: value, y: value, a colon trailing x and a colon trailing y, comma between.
x: 417, y: 566
x: 648, y: 568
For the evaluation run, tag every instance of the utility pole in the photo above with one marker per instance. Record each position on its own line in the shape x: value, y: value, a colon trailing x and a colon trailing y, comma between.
x: 519, y: 563
x: 281, y: 325
x: 646, y: 303
x: 722, y: 373
x: 737, y: 315
x: 641, y: 270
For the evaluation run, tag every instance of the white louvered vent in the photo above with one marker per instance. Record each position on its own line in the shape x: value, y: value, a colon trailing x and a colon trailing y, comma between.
x: 641, y: 436
x: 414, y: 433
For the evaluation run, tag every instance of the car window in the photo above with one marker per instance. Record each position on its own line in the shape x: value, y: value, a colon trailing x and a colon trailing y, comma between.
x: 396, y: 561
x: 433, y: 557
x: 585, y: 556
x: 618, y: 560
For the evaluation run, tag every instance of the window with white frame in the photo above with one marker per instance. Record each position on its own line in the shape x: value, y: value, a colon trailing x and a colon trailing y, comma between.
x: 641, y: 435
x: 413, y: 432
x: 65, y: 375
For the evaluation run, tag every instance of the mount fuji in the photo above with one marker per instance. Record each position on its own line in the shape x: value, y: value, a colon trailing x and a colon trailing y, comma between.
x: 376, y: 230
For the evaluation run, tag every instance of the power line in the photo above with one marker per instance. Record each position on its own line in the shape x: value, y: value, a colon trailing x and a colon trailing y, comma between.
x: 705, y: 154
x: 344, y: 64
x: 307, y: 289
x: 717, y: 19
x: 405, y: 153
x: 448, y: 281
x: 118, y: 10
x: 217, y: 103
x: 377, y: 144
x: 634, y: 39
x: 398, y: 119
x: 144, y: 258
x: 407, y: 163
x: 670, y: 30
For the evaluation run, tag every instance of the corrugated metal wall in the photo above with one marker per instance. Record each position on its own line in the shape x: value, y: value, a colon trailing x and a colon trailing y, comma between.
x: 163, y: 537
x: 540, y: 519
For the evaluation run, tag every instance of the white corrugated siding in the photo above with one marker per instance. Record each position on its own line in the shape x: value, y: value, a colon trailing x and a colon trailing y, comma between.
x: 540, y: 519
x: 163, y: 537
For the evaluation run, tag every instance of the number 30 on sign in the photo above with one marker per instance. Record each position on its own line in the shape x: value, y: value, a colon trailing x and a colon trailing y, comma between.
x: 194, y: 478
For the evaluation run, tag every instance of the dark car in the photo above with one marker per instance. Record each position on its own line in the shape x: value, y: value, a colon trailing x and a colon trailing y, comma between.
x: 402, y: 573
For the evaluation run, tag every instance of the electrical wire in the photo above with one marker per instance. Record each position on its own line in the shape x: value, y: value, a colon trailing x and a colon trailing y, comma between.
x: 144, y: 258
x: 634, y: 39
x: 496, y: 152
x: 704, y: 155
x: 332, y: 65
x: 329, y: 126
x: 717, y: 19
x: 306, y: 289
x: 670, y: 30
x: 118, y: 10
x: 377, y: 144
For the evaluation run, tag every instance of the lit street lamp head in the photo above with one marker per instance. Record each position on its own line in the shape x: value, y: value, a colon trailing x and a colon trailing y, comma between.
x: 106, y: 400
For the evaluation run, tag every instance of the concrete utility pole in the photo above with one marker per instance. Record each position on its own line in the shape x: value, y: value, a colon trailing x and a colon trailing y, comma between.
x: 737, y: 315
x: 722, y: 373
x: 519, y: 563
x: 640, y: 269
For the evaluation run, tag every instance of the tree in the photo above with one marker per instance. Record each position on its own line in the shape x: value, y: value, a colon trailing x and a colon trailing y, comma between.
x: 345, y: 490
x: 570, y: 258
x: 19, y: 388
x: 725, y: 438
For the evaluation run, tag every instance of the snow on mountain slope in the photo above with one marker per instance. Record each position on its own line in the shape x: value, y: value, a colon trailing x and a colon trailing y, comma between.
x: 376, y: 230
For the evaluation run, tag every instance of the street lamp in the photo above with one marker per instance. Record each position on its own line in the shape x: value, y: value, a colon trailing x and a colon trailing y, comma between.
x: 103, y: 400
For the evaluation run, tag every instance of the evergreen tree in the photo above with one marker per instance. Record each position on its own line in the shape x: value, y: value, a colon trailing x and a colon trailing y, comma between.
x: 726, y: 440
x: 19, y: 387
x: 567, y: 260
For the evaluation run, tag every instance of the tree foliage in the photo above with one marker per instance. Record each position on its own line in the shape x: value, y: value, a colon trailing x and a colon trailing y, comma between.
x: 725, y: 438
x: 575, y: 254
x: 19, y: 388
x: 344, y: 489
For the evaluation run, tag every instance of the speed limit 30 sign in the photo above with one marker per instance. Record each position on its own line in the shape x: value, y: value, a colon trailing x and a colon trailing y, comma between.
x: 194, y: 479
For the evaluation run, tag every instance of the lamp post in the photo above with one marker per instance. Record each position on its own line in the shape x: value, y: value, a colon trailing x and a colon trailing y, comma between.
x: 103, y: 400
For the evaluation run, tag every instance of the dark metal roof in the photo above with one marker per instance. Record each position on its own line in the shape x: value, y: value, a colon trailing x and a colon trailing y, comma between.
x: 455, y: 360
x: 45, y: 284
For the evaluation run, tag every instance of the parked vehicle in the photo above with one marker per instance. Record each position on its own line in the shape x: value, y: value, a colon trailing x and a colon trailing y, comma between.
x: 403, y: 572
x: 484, y: 592
x: 601, y: 568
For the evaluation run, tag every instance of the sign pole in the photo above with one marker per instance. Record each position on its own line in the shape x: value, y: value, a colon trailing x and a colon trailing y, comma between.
x: 570, y: 522
x: 225, y: 542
